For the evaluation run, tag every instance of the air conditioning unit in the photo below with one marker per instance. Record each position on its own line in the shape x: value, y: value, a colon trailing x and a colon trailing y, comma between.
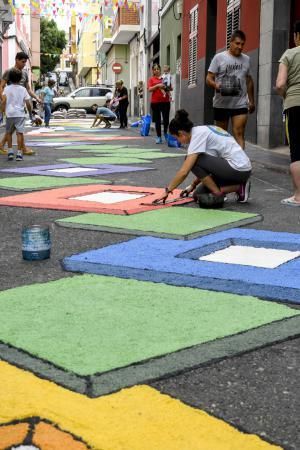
x: 179, y: 6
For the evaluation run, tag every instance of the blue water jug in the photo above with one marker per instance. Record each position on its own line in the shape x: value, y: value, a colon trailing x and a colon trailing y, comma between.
x: 146, y: 122
x: 36, y: 243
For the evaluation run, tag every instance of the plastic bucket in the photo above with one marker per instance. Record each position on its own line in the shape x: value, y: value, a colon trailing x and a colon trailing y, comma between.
x: 172, y: 141
x: 36, y: 243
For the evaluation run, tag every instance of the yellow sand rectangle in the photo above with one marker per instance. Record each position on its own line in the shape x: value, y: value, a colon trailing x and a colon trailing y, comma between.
x: 139, y: 418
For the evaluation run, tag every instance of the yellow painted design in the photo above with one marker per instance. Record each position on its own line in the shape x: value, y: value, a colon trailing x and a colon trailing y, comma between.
x: 139, y: 418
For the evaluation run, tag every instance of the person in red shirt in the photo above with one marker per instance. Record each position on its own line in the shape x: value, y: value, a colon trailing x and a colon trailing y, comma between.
x: 160, y: 102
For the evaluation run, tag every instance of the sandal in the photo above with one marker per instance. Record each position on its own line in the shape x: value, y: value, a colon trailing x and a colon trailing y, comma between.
x: 28, y: 151
x: 290, y: 201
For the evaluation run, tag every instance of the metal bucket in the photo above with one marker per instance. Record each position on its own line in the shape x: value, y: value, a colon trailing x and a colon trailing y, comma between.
x: 36, y: 243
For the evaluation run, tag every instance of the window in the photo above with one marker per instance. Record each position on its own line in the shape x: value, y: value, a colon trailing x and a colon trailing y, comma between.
x: 168, y: 55
x: 83, y: 93
x: 233, y: 18
x: 95, y: 92
x: 103, y: 92
x: 99, y: 92
x: 178, y: 49
x: 193, y: 46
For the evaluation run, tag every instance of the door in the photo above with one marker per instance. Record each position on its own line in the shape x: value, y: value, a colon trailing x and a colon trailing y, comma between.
x: 81, y: 99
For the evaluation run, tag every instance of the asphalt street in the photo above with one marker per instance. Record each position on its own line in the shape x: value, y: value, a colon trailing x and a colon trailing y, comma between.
x: 257, y: 392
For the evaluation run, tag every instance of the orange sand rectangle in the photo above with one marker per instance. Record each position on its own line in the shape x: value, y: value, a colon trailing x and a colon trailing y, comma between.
x: 61, y: 199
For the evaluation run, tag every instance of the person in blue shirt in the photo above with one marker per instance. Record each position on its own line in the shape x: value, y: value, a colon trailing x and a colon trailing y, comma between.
x: 104, y: 114
x: 48, y: 93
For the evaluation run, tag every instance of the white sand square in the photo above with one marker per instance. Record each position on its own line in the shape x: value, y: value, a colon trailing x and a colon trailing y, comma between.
x: 25, y: 447
x: 73, y: 170
x: 109, y: 197
x: 269, y: 258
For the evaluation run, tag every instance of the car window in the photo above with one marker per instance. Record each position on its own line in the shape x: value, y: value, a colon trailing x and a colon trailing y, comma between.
x: 98, y: 92
x: 95, y: 92
x: 83, y: 93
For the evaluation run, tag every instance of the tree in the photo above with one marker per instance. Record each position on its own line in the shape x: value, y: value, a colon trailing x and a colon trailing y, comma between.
x: 53, y: 41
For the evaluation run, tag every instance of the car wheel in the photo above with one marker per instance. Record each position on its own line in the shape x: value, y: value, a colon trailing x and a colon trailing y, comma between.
x: 62, y: 108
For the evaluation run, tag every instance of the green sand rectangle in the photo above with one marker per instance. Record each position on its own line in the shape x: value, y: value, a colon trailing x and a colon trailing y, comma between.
x: 120, y: 151
x: 120, y: 158
x: 33, y: 182
x: 92, y: 324
x: 175, y: 222
x: 94, y: 147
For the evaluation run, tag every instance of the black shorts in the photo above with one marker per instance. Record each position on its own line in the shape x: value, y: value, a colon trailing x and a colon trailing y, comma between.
x: 221, y: 114
x: 293, y: 132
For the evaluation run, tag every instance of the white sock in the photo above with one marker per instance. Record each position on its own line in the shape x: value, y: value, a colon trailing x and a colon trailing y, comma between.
x: 10, y: 150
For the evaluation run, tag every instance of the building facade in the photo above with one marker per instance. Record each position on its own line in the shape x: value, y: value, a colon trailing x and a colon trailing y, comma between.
x: 22, y: 35
x: 186, y: 34
x: 276, y: 35
x: 207, y: 26
x: 6, y: 19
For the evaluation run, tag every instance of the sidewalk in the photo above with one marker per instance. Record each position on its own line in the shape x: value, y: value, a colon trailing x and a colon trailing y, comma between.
x: 276, y: 159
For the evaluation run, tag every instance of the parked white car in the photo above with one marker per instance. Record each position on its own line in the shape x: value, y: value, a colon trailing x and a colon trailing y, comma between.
x: 83, y: 98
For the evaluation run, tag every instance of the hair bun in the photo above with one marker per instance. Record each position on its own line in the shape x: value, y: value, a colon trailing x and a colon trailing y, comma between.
x: 182, y: 115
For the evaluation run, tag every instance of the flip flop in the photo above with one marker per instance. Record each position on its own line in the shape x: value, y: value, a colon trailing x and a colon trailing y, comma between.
x: 290, y: 201
x: 28, y: 151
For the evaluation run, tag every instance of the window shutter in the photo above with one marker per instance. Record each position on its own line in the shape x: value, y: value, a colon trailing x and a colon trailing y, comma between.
x: 193, y: 46
x: 233, y: 18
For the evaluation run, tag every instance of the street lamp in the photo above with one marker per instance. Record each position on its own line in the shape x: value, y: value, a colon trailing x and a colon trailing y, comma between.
x: 177, y: 9
x: 179, y: 5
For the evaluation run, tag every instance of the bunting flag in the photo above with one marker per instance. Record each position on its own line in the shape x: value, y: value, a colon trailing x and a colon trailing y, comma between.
x: 83, y: 9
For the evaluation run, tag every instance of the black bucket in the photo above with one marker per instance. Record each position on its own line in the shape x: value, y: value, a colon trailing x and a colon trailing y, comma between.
x: 36, y: 243
x: 210, y: 201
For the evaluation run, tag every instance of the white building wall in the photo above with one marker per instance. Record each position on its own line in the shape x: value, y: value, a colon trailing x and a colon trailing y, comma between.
x: 12, y: 45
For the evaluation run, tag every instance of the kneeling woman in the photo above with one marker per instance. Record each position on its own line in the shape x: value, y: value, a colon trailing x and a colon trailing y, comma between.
x: 220, y: 165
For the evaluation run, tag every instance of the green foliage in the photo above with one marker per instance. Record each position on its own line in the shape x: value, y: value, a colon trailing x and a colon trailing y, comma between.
x: 53, y: 41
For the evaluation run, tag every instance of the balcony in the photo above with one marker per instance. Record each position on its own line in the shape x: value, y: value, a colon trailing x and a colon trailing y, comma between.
x: 105, y: 45
x: 126, y: 25
x: 6, y: 18
x: 105, y: 40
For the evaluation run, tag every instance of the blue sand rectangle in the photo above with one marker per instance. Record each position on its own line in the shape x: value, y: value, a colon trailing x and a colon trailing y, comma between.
x: 176, y: 262
x: 50, y: 170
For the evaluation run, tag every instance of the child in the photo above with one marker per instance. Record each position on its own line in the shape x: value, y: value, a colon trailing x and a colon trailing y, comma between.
x: 48, y: 93
x: 14, y: 99
x: 166, y: 79
x: 36, y: 119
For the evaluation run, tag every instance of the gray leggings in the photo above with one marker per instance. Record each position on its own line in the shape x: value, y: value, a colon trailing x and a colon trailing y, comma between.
x: 220, y: 170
